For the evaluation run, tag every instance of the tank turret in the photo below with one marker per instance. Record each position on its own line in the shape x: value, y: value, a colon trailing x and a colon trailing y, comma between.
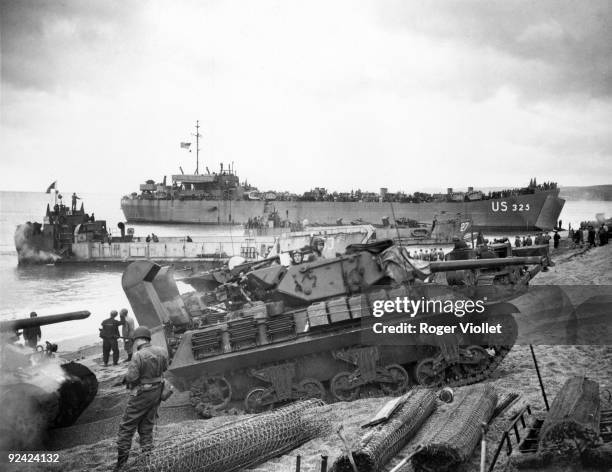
x: 38, y: 390
x: 279, y: 332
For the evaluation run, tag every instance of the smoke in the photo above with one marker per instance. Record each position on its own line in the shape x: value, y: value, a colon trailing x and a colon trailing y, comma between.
x: 30, y: 397
x: 27, y: 238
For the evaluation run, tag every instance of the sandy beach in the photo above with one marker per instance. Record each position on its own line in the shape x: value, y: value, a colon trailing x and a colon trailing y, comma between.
x: 90, y: 444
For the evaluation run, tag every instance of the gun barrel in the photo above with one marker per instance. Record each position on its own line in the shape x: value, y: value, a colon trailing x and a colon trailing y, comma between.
x: 22, y: 323
x: 444, y: 266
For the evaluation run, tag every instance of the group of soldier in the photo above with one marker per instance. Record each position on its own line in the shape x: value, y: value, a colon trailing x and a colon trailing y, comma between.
x: 428, y: 254
x: 538, y: 239
x: 587, y: 235
x: 109, y: 332
x: 144, y: 380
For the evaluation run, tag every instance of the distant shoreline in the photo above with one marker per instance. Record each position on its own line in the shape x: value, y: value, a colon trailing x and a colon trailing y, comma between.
x: 588, y: 192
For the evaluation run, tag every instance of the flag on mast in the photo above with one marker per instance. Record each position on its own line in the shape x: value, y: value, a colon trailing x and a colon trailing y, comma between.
x: 51, y: 187
x: 185, y: 145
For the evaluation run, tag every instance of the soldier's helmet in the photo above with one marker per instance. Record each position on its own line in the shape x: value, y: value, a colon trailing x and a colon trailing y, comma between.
x: 317, y: 242
x: 142, y: 332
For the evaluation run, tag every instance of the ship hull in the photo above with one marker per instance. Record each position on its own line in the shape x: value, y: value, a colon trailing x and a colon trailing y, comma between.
x: 537, y: 211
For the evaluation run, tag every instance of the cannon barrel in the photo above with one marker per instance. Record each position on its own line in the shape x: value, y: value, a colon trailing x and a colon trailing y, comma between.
x: 23, y: 323
x: 445, y: 266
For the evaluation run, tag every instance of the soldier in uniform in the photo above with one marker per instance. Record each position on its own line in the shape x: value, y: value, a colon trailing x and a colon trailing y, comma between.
x: 32, y: 335
x: 317, y: 247
x: 109, y: 334
x: 127, y: 332
x: 460, y: 243
x: 296, y: 257
x: 144, y: 378
x: 74, y: 201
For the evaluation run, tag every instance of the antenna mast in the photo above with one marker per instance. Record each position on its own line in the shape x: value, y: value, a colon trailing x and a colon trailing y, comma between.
x: 197, y: 136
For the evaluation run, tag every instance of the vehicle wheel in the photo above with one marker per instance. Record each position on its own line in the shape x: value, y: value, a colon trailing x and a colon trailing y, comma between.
x: 344, y: 387
x: 311, y: 388
x: 259, y: 400
x: 426, y: 375
x: 395, y: 380
x: 478, y: 359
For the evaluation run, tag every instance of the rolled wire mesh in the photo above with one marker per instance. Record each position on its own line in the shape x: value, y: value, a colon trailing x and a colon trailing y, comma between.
x: 240, y: 444
x: 450, y: 438
x: 383, y: 442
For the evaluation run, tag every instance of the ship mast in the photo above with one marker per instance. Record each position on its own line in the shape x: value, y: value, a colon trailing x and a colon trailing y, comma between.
x: 197, y: 136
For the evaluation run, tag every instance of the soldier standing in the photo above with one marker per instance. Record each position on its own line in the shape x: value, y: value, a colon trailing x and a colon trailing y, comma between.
x: 479, y: 239
x: 109, y: 334
x: 74, y: 201
x: 32, y: 335
x: 144, y: 378
x: 127, y: 332
x: 556, y: 239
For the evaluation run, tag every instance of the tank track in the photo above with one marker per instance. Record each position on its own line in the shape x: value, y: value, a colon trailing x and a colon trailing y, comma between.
x: 453, y: 374
x: 500, y: 353
x: 233, y: 406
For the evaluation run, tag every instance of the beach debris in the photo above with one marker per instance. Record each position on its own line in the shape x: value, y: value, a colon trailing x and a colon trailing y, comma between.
x: 504, y: 401
x: 385, y: 412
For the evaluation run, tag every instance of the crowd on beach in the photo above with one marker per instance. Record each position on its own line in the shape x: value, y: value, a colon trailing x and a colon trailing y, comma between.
x: 587, y: 235
x: 538, y: 239
x: 431, y: 255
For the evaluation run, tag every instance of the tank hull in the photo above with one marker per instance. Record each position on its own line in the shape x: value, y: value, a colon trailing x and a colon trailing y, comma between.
x: 537, y: 211
x: 318, y: 333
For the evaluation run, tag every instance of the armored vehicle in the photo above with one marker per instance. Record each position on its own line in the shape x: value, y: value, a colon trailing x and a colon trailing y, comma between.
x: 278, y: 332
x: 38, y: 390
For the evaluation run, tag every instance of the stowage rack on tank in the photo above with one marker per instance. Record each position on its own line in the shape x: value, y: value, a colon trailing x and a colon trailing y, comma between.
x: 281, y: 333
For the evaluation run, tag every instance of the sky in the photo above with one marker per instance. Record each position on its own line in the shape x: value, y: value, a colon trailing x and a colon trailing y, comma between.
x: 408, y: 95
